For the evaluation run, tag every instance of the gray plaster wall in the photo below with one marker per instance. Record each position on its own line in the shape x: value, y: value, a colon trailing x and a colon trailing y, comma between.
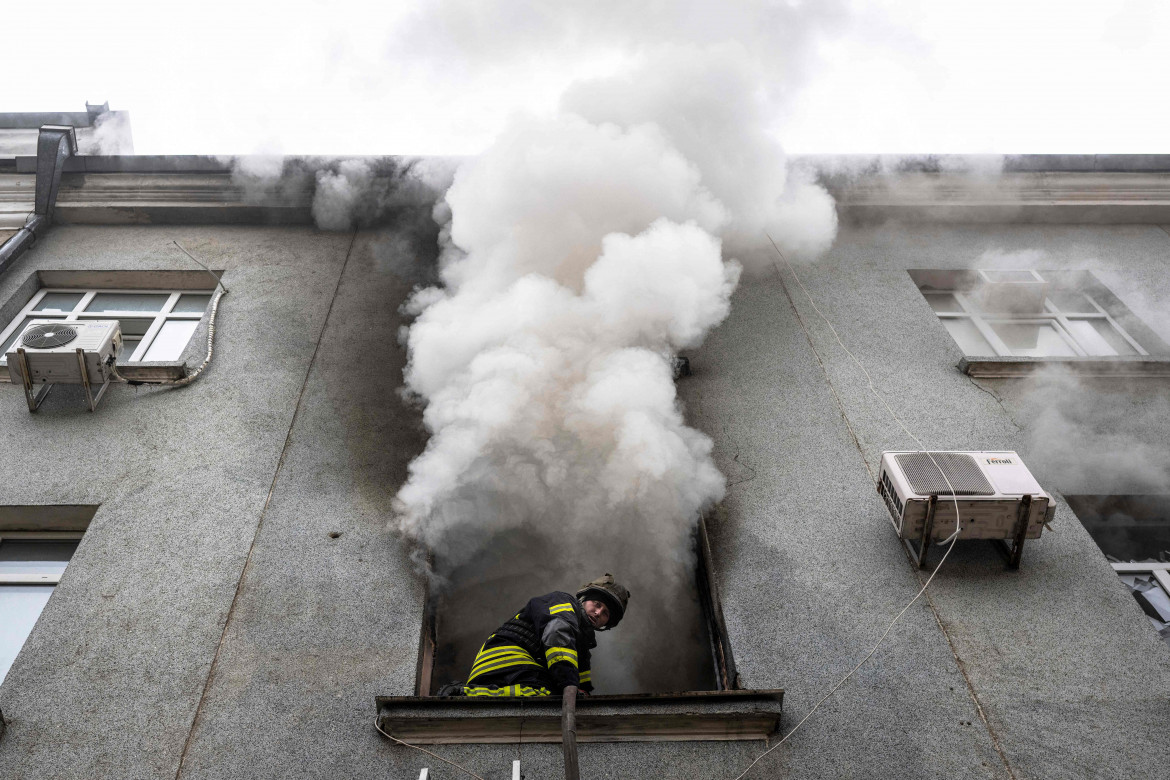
x: 109, y: 682
x: 1049, y: 665
x: 210, y: 626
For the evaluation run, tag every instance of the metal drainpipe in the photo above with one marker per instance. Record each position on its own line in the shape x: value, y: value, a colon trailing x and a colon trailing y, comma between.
x: 54, y: 144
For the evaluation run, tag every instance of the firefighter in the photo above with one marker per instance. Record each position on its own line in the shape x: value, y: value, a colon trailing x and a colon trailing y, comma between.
x: 545, y: 648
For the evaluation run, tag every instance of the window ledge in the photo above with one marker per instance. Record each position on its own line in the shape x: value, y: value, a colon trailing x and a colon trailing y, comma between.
x: 1001, y: 367
x: 136, y: 372
x: 649, y: 717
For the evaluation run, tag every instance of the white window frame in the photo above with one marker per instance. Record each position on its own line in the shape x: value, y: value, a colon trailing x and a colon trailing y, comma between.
x: 46, y: 576
x: 1160, y: 572
x: 1052, y: 316
x: 160, y: 317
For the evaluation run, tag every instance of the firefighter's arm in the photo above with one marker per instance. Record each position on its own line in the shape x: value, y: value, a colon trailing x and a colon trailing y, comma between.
x: 560, y: 646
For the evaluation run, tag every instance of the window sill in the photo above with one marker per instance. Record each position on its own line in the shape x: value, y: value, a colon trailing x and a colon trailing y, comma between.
x: 1006, y: 367
x: 651, y: 717
x: 135, y: 372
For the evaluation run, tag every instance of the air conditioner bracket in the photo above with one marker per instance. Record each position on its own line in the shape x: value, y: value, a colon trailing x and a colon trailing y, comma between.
x: 1012, y: 552
x: 34, y: 399
x: 89, y: 394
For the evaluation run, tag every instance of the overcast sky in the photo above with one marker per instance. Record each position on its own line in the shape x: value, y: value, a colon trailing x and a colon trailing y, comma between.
x: 344, y: 77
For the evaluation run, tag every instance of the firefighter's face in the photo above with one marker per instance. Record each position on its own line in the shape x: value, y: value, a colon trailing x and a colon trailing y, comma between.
x: 597, y: 611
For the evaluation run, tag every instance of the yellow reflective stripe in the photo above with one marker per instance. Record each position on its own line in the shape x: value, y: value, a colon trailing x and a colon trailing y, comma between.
x: 565, y: 650
x: 491, y: 667
x: 506, y: 660
x: 500, y: 663
x: 586, y: 676
x: 484, y: 655
x: 555, y: 608
x: 556, y: 659
x: 557, y: 654
x: 507, y: 690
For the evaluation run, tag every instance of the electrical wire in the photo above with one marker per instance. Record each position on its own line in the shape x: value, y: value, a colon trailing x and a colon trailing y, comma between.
x: 950, y: 541
x: 424, y: 750
x: 220, y: 291
x: 201, y: 265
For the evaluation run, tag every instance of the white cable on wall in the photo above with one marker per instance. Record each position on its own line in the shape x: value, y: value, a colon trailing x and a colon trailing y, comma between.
x: 220, y: 291
x: 950, y: 541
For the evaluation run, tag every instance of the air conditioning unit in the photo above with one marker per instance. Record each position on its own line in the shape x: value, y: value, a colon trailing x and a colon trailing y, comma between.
x: 997, y: 497
x: 49, y: 352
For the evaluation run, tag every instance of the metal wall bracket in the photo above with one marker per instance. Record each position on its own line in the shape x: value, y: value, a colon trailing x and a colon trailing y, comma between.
x: 34, y: 400
x: 89, y: 395
x: 1016, y: 550
x: 1012, y: 552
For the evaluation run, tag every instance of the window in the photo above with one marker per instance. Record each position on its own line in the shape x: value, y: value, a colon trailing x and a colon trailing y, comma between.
x: 681, y: 664
x: 1014, y: 313
x: 31, y: 564
x: 156, y: 324
x: 639, y: 657
x: 1134, y: 533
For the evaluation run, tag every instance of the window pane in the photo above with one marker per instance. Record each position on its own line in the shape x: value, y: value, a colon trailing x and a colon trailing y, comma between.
x: 129, y: 344
x: 968, y: 337
x: 171, y: 340
x: 1098, y: 337
x: 943, y: 302
x: 127, y: 302
x: 1009, y: 276
x: 191, y: 304
x: 8, y: 342
x: 20, y: 606
x: 1126, y: 527
x: 1033, y: 339
x: 36, y: 558
x: 62, y: 302
x: 130, y: 327
x: 1070, y: 302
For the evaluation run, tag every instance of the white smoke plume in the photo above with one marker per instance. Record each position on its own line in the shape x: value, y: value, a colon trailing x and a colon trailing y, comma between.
x: 1089, y: 435
x: 110, y: 134
x: 584, y: 249
x: 342, y: 194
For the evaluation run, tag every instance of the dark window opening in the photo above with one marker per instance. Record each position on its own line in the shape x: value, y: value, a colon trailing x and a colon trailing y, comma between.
x: 1126, y: 528
x: 672, y: 639
x: 1134, y: 533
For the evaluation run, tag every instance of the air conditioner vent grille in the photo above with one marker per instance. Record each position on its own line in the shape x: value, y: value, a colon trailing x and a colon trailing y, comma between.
x: 961, y: 469
x: 48, y: 336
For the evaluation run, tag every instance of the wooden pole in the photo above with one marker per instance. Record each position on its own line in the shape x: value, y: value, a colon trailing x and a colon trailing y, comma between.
x: 569, y: 731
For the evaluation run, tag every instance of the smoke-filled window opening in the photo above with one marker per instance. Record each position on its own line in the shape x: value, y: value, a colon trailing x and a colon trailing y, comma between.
x: 1134, y: 533
x: 672, y: 639
x: 1017, y: 313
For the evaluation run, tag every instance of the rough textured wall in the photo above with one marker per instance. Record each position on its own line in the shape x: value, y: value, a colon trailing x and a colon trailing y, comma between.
x: 1057, y: 655
x: 249, y: 470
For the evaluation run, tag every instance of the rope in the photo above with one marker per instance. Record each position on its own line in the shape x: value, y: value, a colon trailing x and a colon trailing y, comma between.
x: 950, y: 542
x: 424, y: 750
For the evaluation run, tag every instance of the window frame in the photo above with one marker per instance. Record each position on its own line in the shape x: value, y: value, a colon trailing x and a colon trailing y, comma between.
x: 46, y: 576
x: 159, y: 318
x: 1052, y: 316
x: 1159, y: 571
x: 725, y: 674
x: 49, y: 577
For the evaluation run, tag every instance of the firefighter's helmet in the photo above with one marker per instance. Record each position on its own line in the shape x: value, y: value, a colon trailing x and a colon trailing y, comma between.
x: 606, y: 590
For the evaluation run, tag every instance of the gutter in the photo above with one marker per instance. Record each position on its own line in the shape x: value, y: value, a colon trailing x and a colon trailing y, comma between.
x: 55, y: 144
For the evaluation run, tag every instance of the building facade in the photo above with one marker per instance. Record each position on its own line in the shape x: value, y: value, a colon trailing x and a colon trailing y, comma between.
x: 235, y: 601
